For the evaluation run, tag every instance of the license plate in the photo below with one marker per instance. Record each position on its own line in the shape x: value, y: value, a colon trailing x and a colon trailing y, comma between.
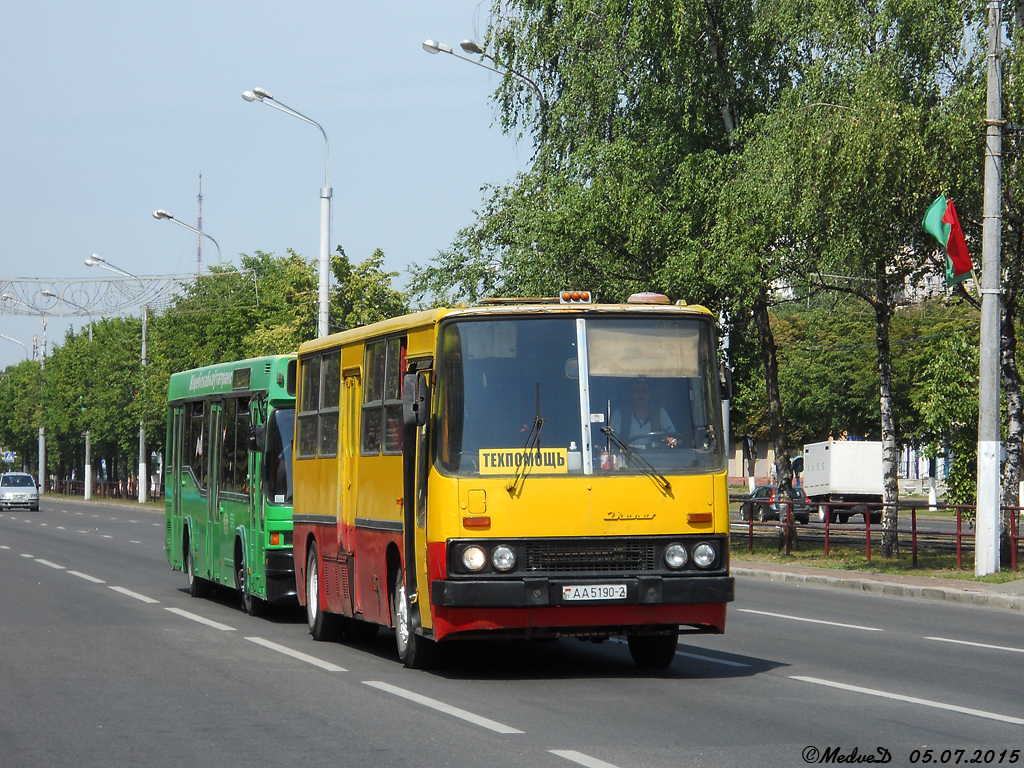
x: 594, y: 592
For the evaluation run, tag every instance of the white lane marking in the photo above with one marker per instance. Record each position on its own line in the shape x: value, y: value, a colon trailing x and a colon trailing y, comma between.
x: 136, y: 595
x: 51, y: 565
x: 977, y: 645
x: 61, y: 528
x: 28, y: 556
x: 912, y: 700
x: 811, y: 621
x: 440, y: 706
x: 4, y: 546
x: 711, y: 659
x: 297, y: 655
x: 87, y: 577
x: 133, y: 541
x: 201, y: 620
x: 105, y: 536
x: 581, y: 759
x: 45, y: 525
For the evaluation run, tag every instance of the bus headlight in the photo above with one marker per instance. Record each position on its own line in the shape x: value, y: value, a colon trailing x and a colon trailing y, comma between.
x: 503, y: 558
x: 675, y: 556
x: 704, y: 555
x: 474, y: 558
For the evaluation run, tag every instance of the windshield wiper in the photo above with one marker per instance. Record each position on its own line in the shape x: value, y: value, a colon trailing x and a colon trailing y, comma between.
x: 532, y: 441
x: 659, y: 479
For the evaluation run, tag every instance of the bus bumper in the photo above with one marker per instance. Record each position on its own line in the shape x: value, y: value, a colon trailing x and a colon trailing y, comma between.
x: 528, y: 593
x: 281, y: 576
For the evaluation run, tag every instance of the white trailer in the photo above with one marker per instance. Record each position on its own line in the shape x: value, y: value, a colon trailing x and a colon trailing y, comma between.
x: 847, y: 473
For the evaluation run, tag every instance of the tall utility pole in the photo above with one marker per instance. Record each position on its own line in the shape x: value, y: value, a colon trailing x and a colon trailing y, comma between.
x: 199, y: 226
x: 986, y: 552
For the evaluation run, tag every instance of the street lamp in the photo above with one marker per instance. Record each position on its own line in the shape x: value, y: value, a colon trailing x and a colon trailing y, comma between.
x: 52, y: 295
x: 99, y: 261
x: 162, y: 214
x: 16, y: 342
x: 264, y: 97
x: 433, y: 47
x: 42, y: 368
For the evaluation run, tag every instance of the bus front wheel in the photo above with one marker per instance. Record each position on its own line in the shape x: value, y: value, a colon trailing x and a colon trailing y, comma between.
x: 251, y: 604
x: 653, y: 651
x: 415, y: 651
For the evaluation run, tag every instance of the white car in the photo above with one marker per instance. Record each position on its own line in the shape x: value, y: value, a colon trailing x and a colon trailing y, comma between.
x: 18, y: 489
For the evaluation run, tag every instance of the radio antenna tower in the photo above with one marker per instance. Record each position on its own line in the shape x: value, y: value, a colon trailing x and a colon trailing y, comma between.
x: 199, y: 226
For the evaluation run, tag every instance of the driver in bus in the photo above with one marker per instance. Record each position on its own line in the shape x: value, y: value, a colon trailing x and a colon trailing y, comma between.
x: 645, y: 418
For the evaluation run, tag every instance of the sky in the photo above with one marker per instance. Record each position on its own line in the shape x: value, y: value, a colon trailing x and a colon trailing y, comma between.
x: 111, y: 110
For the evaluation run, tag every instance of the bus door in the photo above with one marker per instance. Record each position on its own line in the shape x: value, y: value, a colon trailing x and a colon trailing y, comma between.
x: 232, y: 483
x: 416, y: 465
x: 175, y: 452
x: 213, y: 448
x: 258, y: 416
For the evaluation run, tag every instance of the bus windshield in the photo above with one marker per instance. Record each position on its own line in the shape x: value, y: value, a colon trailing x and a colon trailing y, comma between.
x: 624, y: 386
x: 277, y: 465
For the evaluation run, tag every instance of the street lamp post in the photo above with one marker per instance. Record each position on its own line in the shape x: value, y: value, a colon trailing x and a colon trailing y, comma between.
x: 263, y: 96
x: 99, y: 261
x: 65, y: 300
x: 2, y: 336
x: 42, y: 368
x: 162, y: 214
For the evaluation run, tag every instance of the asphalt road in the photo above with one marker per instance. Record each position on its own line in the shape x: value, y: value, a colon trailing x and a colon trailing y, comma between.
x: 105, y: 660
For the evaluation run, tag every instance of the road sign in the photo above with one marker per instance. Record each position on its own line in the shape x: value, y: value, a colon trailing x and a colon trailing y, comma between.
x: 9, y: 457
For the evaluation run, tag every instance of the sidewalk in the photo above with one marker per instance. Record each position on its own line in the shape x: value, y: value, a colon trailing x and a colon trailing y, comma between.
x: 1008, y: 595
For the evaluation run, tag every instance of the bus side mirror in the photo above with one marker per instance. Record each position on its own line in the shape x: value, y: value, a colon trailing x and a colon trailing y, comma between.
x: 415, y: 399
x: 725, y: 380
x: 257, y: 438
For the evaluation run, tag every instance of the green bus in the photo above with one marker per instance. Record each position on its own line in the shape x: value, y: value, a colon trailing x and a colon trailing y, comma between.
x: 228, y: 478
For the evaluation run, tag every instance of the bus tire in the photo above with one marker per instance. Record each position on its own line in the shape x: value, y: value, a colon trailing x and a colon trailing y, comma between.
x: 322, y: 626
x: 653, y: 651
x: 197, y: 587
x: 415, y: 651
x: 251, y: 604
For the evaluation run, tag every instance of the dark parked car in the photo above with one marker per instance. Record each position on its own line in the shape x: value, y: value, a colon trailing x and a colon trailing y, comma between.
x: 762, y: 505
x: 18, y: 489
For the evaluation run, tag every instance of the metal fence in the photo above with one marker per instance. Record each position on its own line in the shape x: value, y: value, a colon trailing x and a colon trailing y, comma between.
x: 934, y: 535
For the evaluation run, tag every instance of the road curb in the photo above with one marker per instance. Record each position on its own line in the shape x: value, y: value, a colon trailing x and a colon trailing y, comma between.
x: 939, y: 593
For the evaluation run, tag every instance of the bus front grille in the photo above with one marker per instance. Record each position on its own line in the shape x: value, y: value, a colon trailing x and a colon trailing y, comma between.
x: 590, y: 557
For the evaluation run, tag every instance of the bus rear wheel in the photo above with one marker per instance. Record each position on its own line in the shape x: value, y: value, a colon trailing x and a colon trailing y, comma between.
x: 321, y: 625
x: 197, y: 587
x: 415, y: 651
x: 653, y: 651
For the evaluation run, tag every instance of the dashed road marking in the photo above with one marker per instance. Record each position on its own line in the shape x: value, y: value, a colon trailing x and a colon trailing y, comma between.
x: 135, y: 595
x: 87, y: 577
x: 200, y: 619
x: 810, y: 621
x: 978, y: 645
x: 297, y: 655
x: 911, y: 700
x: 51, y: 565
x: 581, y: 759
x: 440, y: 706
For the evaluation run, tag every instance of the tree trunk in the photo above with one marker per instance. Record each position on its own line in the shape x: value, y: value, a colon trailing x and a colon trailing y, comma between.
x: 890, y: 456
x: 775, y: 420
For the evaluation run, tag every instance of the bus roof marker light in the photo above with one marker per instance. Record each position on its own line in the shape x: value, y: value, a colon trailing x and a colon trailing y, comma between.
x: 575, y: 297
x: 648, y: 297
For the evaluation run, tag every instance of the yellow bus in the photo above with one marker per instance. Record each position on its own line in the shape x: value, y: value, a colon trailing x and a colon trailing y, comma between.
x: 522, y: 469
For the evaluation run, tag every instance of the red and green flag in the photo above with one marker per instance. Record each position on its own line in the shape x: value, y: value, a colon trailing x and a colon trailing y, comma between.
x: 942, y: 222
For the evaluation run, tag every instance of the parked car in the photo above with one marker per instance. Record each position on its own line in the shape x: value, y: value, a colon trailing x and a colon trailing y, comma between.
x: 762, y: 505
x: 18, y: 489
